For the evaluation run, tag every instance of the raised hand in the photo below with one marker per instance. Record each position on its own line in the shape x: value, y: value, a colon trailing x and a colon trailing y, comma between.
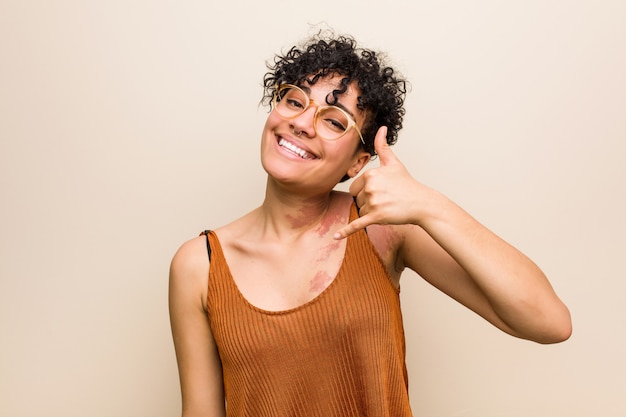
x: 457, y: 254
x: 385, y: 195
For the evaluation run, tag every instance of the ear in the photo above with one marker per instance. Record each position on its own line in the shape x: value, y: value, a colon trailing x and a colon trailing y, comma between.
x: 361, y: 158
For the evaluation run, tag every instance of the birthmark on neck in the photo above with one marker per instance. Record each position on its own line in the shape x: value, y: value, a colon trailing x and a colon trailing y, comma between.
x: 333, y: 217
x: 309, y: 214
x: 305, y: 216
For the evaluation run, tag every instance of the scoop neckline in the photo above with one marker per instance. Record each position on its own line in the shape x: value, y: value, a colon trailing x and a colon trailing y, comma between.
x: 231, y: 280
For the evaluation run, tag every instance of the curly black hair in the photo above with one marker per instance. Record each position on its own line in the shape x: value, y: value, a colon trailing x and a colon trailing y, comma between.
x: 382, y: 90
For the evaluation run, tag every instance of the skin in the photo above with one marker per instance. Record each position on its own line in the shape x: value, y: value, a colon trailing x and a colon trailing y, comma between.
x: 287, y: 251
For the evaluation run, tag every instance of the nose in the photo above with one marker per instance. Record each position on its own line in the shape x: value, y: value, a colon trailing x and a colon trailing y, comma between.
x: 305, y: 122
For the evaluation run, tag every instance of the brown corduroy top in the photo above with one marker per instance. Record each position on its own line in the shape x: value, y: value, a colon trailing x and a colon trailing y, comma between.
x: 341, y: 354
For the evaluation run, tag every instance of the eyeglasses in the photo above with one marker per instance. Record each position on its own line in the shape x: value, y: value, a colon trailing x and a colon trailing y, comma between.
x: 330, y: 122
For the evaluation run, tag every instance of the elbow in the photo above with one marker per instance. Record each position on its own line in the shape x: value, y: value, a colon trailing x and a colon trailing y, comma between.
x: 561, y: 333
x: 557, y: 336
x: 544, y: 327
x: 557, y: 329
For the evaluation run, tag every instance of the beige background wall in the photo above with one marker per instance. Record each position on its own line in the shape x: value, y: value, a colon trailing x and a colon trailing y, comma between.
x: 127, y: 127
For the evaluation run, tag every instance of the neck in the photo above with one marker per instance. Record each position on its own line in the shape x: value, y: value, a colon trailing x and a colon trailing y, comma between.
x: 285, y: 213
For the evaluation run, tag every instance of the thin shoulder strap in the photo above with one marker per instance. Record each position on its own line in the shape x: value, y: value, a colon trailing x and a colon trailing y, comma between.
x: 355, y: 211
x: 208, y: 245
x: 358, y: 210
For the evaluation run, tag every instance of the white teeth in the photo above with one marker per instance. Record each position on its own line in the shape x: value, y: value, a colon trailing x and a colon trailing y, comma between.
x: 293, y: 148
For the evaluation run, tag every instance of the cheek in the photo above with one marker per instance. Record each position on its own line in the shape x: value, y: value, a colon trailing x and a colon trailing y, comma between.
x: 346, y: 152
x: 269, y: 127
x: 273, y: 120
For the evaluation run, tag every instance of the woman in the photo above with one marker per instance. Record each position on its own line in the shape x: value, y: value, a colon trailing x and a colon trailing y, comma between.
x: 293, y: 309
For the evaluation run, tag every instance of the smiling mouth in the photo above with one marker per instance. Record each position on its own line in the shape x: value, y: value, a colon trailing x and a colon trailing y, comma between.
x: 295, y: 150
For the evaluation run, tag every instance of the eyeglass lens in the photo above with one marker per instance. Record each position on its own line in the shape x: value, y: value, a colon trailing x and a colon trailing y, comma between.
x: 330, y: 122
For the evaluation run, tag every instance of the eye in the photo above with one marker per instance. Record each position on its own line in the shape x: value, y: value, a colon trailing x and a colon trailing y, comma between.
x: 293, y: 99
x: 294, y: 103
x: 334, y: 119
x: 335, y: 124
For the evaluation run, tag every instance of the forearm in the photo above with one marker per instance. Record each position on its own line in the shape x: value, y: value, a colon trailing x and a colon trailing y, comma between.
x: 515, y: 287
x: 460, y: 256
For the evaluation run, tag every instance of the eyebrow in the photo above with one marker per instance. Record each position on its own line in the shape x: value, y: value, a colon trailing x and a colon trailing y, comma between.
x: 307, y: 90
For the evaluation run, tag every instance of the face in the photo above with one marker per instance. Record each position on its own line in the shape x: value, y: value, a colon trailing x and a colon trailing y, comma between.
x: 292, y: 152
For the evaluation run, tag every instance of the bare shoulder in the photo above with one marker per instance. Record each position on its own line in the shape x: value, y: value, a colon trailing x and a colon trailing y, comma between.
x: 190, y: 249
x: 189, y: 270
x: 190, y: 256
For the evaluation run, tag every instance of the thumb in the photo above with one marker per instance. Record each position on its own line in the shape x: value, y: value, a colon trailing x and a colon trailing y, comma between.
x: 383, y: 150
